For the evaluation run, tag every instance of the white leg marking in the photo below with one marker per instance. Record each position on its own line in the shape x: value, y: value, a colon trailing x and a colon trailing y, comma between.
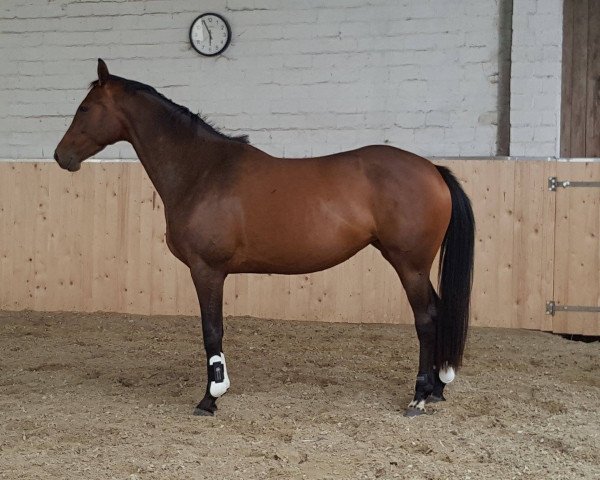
x: 420, y: 405
x: 446, y: 374
x: 219, y: 389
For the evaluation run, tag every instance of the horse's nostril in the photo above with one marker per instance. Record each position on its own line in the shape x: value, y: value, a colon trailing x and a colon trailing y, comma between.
x: 55, y: 156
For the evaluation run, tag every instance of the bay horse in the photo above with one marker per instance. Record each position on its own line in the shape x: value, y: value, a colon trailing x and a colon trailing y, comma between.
x: 232, y: 208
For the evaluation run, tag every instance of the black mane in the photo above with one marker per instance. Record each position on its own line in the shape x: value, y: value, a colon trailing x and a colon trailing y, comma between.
x: 133, y: 86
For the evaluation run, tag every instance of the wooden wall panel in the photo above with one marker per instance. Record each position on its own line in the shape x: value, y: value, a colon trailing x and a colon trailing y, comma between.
x: 364, y: 289
x: 97, y: 242
x: 533, y: 244
x: 490, y: 186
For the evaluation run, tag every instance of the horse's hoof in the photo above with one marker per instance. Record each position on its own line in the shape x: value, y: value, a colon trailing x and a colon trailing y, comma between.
x: 413, y: 412
x: 203, y: 413
x: 435, y: 399
x: 206, y: 408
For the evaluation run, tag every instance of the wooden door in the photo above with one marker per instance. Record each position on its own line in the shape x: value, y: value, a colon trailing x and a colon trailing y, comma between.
x: 577, y: 249
x: 580, y: 112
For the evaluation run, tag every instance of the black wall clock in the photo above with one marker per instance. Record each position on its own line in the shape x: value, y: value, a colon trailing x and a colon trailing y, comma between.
x: 210, y: 34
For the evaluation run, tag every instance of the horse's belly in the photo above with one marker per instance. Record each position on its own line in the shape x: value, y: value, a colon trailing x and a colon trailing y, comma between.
x: 300, y: 261
x: 300, y: 245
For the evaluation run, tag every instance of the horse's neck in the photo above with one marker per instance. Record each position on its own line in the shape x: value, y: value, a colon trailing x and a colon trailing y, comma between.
x: 165, y: 149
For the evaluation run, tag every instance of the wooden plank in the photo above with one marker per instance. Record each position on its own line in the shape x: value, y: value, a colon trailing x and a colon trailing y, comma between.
x: 163, y: 287
x: 9, y: 199
x: 71, y: 290
x: 376, y: 274
x: 491, y: 187
x: 141, y: 292
x: 130, y: 260
x: 348, y: 303
x: 592, y: 141
x: 23, y: 214
x: 579, y: 76
x: 104, y: 282
x: 127, y: 209
x: 533, y: 244
x: 86, y: 247
x: 298, y: 299
x: 42, y: 280
x: 56, y: 255
x: 237, y: 303
x: 276, y: 286
x: 163, y: 281
x: 577, y: 257
x: 567, y: 79
x: 549, y: 244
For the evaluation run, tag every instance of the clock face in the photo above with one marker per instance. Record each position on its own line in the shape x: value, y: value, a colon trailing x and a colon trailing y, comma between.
x: 210, y: 34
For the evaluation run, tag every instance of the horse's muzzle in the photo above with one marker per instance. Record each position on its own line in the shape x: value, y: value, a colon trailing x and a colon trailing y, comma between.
x: 71, y: 164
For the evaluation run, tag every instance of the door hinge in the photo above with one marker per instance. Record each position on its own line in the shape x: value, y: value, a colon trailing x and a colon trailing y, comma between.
x: 552, y: 308
x: 554, y: 183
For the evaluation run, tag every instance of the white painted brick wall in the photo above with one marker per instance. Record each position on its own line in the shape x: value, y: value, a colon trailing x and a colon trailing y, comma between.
x: 302, y: 78
x: 536, y: 77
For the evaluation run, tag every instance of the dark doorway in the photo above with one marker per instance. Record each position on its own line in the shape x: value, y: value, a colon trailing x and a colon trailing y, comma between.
x: 580, y: 110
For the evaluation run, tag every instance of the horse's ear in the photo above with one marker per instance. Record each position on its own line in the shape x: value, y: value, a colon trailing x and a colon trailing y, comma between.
x: 102, y: 72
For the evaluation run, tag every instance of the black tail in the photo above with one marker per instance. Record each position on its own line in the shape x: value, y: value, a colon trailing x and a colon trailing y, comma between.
x: 455, y: 277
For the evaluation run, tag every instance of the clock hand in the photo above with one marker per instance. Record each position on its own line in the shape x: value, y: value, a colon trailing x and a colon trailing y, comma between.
x: 207, y: 30
x: 209, y: 34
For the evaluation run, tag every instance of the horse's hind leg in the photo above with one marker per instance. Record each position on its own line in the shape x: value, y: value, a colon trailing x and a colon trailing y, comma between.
x: 437, y: 395
x: 422, y: 300
x: 414, y: 276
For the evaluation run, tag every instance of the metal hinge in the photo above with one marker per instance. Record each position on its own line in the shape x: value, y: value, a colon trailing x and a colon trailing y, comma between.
x: 554, y: 183
x: 552, y: 308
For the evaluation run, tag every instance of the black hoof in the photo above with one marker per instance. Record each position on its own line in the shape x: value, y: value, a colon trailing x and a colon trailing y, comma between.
x: 413, y: 412
x: 207, y: 407
x: 203, y: 413
x: 435, y: 399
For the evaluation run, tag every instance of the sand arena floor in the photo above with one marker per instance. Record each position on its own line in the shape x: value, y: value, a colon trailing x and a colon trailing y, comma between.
x: 100, y: 396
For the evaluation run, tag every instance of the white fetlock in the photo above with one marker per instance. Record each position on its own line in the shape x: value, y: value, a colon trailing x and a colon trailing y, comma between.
x: 221, y: 385
x: 420, y: 405
x: 446, y: 374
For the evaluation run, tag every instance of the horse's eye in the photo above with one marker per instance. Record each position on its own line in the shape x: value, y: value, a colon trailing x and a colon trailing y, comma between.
x: 82, y: 108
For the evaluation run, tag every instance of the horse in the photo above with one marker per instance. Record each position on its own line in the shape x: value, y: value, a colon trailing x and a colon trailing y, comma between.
x: 232, y: 208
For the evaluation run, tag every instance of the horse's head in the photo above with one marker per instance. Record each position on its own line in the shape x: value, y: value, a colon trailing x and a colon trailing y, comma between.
x: 96, y: 124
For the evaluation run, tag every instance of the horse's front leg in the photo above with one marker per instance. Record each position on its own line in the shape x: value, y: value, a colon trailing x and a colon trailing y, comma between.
x: 209, y: 286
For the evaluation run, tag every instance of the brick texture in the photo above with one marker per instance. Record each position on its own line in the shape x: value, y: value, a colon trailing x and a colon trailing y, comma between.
x: 302, y: 78
x: 536, y: 77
